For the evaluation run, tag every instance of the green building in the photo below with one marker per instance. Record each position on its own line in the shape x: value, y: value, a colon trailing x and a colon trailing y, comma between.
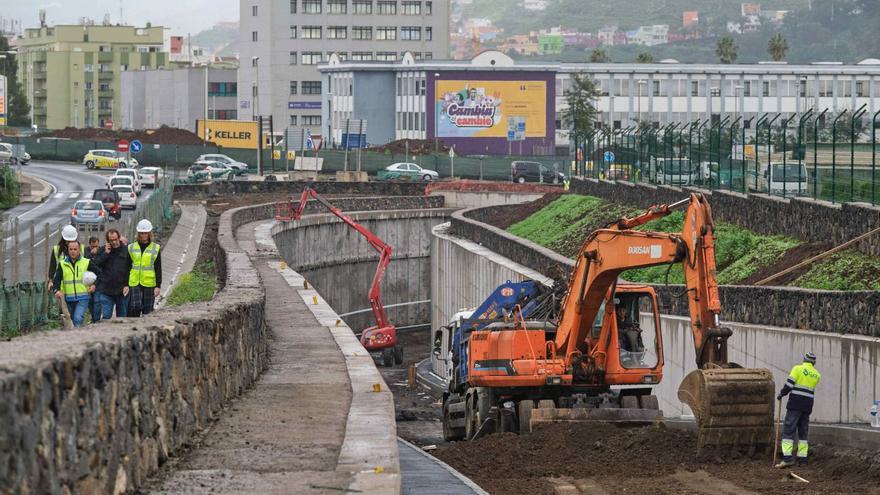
x: 71, y: 74
x: 550, y: 44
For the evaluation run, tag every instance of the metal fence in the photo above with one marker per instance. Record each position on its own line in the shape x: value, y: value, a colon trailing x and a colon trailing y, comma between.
x: 24, y: 256
x: 812, y: 154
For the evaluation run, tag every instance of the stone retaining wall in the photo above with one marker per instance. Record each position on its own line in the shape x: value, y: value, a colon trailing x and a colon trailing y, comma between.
x: 856, y: 312
x: 801, y: 218
x: 286, y: 189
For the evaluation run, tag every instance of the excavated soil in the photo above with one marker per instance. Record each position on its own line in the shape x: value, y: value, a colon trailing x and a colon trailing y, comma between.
x: 504, y: 217
x: 162, y: 135
x: 791, y: 258
x: 415, y: 147
x: 578, y: 458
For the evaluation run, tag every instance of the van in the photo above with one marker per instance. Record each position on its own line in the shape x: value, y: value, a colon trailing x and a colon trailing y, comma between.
x: 526, y: 171
x: 788, y: 179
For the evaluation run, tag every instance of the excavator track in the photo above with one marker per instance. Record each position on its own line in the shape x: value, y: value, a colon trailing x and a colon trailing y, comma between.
x: 732, y: 406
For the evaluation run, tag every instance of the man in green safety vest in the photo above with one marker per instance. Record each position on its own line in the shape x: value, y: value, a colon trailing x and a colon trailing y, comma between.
x: 801, y: 384
x: 145, y: 272
x: 59, y: 251
x: 71, y: 284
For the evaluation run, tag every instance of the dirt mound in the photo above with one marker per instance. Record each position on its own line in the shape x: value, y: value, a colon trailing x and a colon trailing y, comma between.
x: 594, y: 459
x: 415, y: 147
x: 162, y: 135
x: 791, y: 257
x: 505, y: 216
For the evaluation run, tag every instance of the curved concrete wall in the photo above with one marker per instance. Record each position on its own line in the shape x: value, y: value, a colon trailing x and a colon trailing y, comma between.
x: 464, y: 271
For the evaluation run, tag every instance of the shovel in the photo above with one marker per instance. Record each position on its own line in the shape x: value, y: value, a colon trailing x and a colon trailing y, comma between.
x: 66, y: 320
x: 776, y: 442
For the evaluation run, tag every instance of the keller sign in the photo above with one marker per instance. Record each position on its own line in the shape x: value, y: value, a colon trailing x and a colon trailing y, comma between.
x: 229, y: 133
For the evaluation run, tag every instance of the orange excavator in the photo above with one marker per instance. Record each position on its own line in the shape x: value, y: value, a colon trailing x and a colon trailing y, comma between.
x: 381, y: 338
x: 511, y: 375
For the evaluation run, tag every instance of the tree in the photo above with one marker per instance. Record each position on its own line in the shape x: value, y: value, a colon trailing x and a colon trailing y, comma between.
x: 726, y: 50
x: 645, y: 58
x: 17, y: 109
x: 777, y: 47
x: 580, y: 116
x: 599, y: 56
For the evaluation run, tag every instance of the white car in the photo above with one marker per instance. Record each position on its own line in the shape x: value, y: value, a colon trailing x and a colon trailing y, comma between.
x: 407, y: 171
x: 216, y: 170
x: 130, y: 172
x: 7, y: 152
x: 150, y: 176
x: 239, y: 167
x: 127, y: 196
x: 122, y: 180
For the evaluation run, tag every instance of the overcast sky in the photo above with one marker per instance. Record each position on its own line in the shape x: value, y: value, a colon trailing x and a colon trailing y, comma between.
x: 182, y: 16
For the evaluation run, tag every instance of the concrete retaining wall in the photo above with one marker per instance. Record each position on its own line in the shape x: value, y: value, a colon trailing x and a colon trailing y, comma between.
x: 471, y: 199
x: 464, y: 273
x: 287, y: 189
x: 801, y: 218
x: 856, y: 312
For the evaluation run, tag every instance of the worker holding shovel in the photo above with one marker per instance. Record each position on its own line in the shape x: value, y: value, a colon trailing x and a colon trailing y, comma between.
x: 801, y: 384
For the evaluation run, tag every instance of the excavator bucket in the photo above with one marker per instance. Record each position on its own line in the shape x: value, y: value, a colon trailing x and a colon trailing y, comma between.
x: 733, y: 406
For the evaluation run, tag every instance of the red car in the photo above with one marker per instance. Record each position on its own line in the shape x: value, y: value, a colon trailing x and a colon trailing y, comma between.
x: 110, y: 198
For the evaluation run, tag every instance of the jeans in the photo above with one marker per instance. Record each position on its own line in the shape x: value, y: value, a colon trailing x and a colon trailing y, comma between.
x: 107, y: 302
x: 94, y: 308
x: 77, y: 310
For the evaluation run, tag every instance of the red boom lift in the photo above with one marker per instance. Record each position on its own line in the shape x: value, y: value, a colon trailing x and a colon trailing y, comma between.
x: 381, y: 338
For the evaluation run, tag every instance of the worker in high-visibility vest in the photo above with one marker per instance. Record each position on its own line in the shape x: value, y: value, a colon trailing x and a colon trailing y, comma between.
x: 72, y: 286
x: 145, y: 272
x: 59, y: 251
x: 801, y: 384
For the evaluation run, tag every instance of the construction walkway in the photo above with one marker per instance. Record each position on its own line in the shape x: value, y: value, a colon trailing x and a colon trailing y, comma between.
x: 424, y: 474
x: 180, y: 252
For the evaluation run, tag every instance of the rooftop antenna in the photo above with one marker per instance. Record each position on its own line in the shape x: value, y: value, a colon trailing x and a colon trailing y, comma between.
x: 121, y: 18
x: 42, y: 18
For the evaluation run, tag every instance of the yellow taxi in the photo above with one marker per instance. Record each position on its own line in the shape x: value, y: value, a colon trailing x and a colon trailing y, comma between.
x: 107, y: 159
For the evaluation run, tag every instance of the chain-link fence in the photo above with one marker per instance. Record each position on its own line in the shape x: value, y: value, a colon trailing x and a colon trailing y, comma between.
x: 24, y: 260
x: 814, y: 154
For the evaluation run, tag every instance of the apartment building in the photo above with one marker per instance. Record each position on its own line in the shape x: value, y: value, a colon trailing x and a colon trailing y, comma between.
x: 283, y: 41
x: 71, y: 73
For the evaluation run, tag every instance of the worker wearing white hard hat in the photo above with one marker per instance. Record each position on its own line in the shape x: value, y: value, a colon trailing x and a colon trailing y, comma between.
x: 71, y: 279
x: 59, y: 251
x: 145, y: 272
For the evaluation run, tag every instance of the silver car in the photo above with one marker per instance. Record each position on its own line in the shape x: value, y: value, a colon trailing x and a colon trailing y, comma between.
x: 89, y: 215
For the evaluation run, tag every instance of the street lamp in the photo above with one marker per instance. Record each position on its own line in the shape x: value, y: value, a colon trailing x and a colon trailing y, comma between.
x: 255, y: 63
x: 640, y: 83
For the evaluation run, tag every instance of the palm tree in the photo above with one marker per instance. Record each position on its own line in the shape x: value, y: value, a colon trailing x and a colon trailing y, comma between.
x: 726, y: 50
x: 599, y: 56
x: 777, y: 47
x: 645, y: 58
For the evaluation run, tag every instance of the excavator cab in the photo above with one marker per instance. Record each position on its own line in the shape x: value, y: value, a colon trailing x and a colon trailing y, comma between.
x: 635, y: 349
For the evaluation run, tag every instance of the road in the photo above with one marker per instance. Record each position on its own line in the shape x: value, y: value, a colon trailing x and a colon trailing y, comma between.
x: 71, y: 182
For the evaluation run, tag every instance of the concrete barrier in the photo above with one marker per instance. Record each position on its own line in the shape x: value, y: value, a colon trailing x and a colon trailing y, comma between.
x: 287, y: 189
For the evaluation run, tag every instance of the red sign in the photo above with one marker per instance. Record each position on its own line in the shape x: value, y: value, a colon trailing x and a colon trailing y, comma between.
x: 108, y: 124
x: 122, y: 146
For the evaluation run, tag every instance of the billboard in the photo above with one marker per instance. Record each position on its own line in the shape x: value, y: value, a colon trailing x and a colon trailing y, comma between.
x: 229, y: 133
x: 2, y: 100
x: 490, y: 108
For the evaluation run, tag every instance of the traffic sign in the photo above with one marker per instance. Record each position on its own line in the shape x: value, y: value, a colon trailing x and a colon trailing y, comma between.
x: 136, y: 146
x: 609, y: 156
x: 122, y: 146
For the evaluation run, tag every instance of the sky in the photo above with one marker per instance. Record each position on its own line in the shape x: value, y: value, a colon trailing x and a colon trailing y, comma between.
x: 182, y: 16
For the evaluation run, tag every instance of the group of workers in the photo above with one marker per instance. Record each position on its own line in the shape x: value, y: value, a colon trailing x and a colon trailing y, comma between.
x: 120, y: 275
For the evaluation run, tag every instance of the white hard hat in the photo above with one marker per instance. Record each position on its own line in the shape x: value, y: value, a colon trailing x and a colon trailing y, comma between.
x: 144, y: 226
x: 89, y: 279
x: 69, y: 233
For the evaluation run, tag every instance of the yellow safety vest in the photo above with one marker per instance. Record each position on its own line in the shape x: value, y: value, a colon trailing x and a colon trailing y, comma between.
x: 56, y: 251
x: 142, y: 272
x: 72, y: 276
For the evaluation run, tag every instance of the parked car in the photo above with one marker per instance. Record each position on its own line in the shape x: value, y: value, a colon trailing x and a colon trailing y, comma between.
x: 407, y: 171
x: 130, y: 172
x: 108, y: 159
x: 150, y: 176
x: 216, y: 170
x: 121, y: 180
x: 110, y: 199
x: 127, y: 196
x: 525, y: 171
x: 239, y: 167
x: 88, y: 214
x: 8, y: 152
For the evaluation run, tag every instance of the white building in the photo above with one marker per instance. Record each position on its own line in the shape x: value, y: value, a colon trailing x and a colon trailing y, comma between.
x: 657, y: 34
x: 536, y: 4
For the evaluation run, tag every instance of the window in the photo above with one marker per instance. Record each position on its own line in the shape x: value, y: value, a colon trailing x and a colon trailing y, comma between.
x: 293, y: 87
x: 254, y: 10
x: 337, y: 33
x: 311, y: 6
x: 386, y: 33
x: 765, y: 88
x: 104, y: 48
x: 311, y: 120
x: 410, y: 33
x: 826, y: 88
x: 361, y: 56
x: 747, y: 88
x: 803, y: 87
x: 311, y: 58
x: 362, y: 33
x: 343, y: 56
x: 293, y: 120
x: 292, y: 58
x: 255, y: 61
x: 429, y: 34
x: 386, y: 56
x: 411, y: 8
x: 860, y: 89
x: 310, y: 32
x: 428, y: 8
x: 655, y: 86
x: 253, y: 36
x: 88, y: 67
x: 103, y: 87
x: 88, y: 86
x: 293, y: 6
x: 311, y: 87
x: 337, y: 6
x: 254, y: 91
x: 386, y: 7
x: 428, y: 56
x: 695, y: 88
x: 362, y: 7
x: 293, y: 32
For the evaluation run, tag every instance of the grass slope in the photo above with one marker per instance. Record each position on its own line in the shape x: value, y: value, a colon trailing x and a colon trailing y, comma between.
x: 195, y: 286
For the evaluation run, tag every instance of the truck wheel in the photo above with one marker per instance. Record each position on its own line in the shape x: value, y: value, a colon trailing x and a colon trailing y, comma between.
x: 470, y: 418
x: 449, y: 433
x: 388, y: 357
x: 524, y: 414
